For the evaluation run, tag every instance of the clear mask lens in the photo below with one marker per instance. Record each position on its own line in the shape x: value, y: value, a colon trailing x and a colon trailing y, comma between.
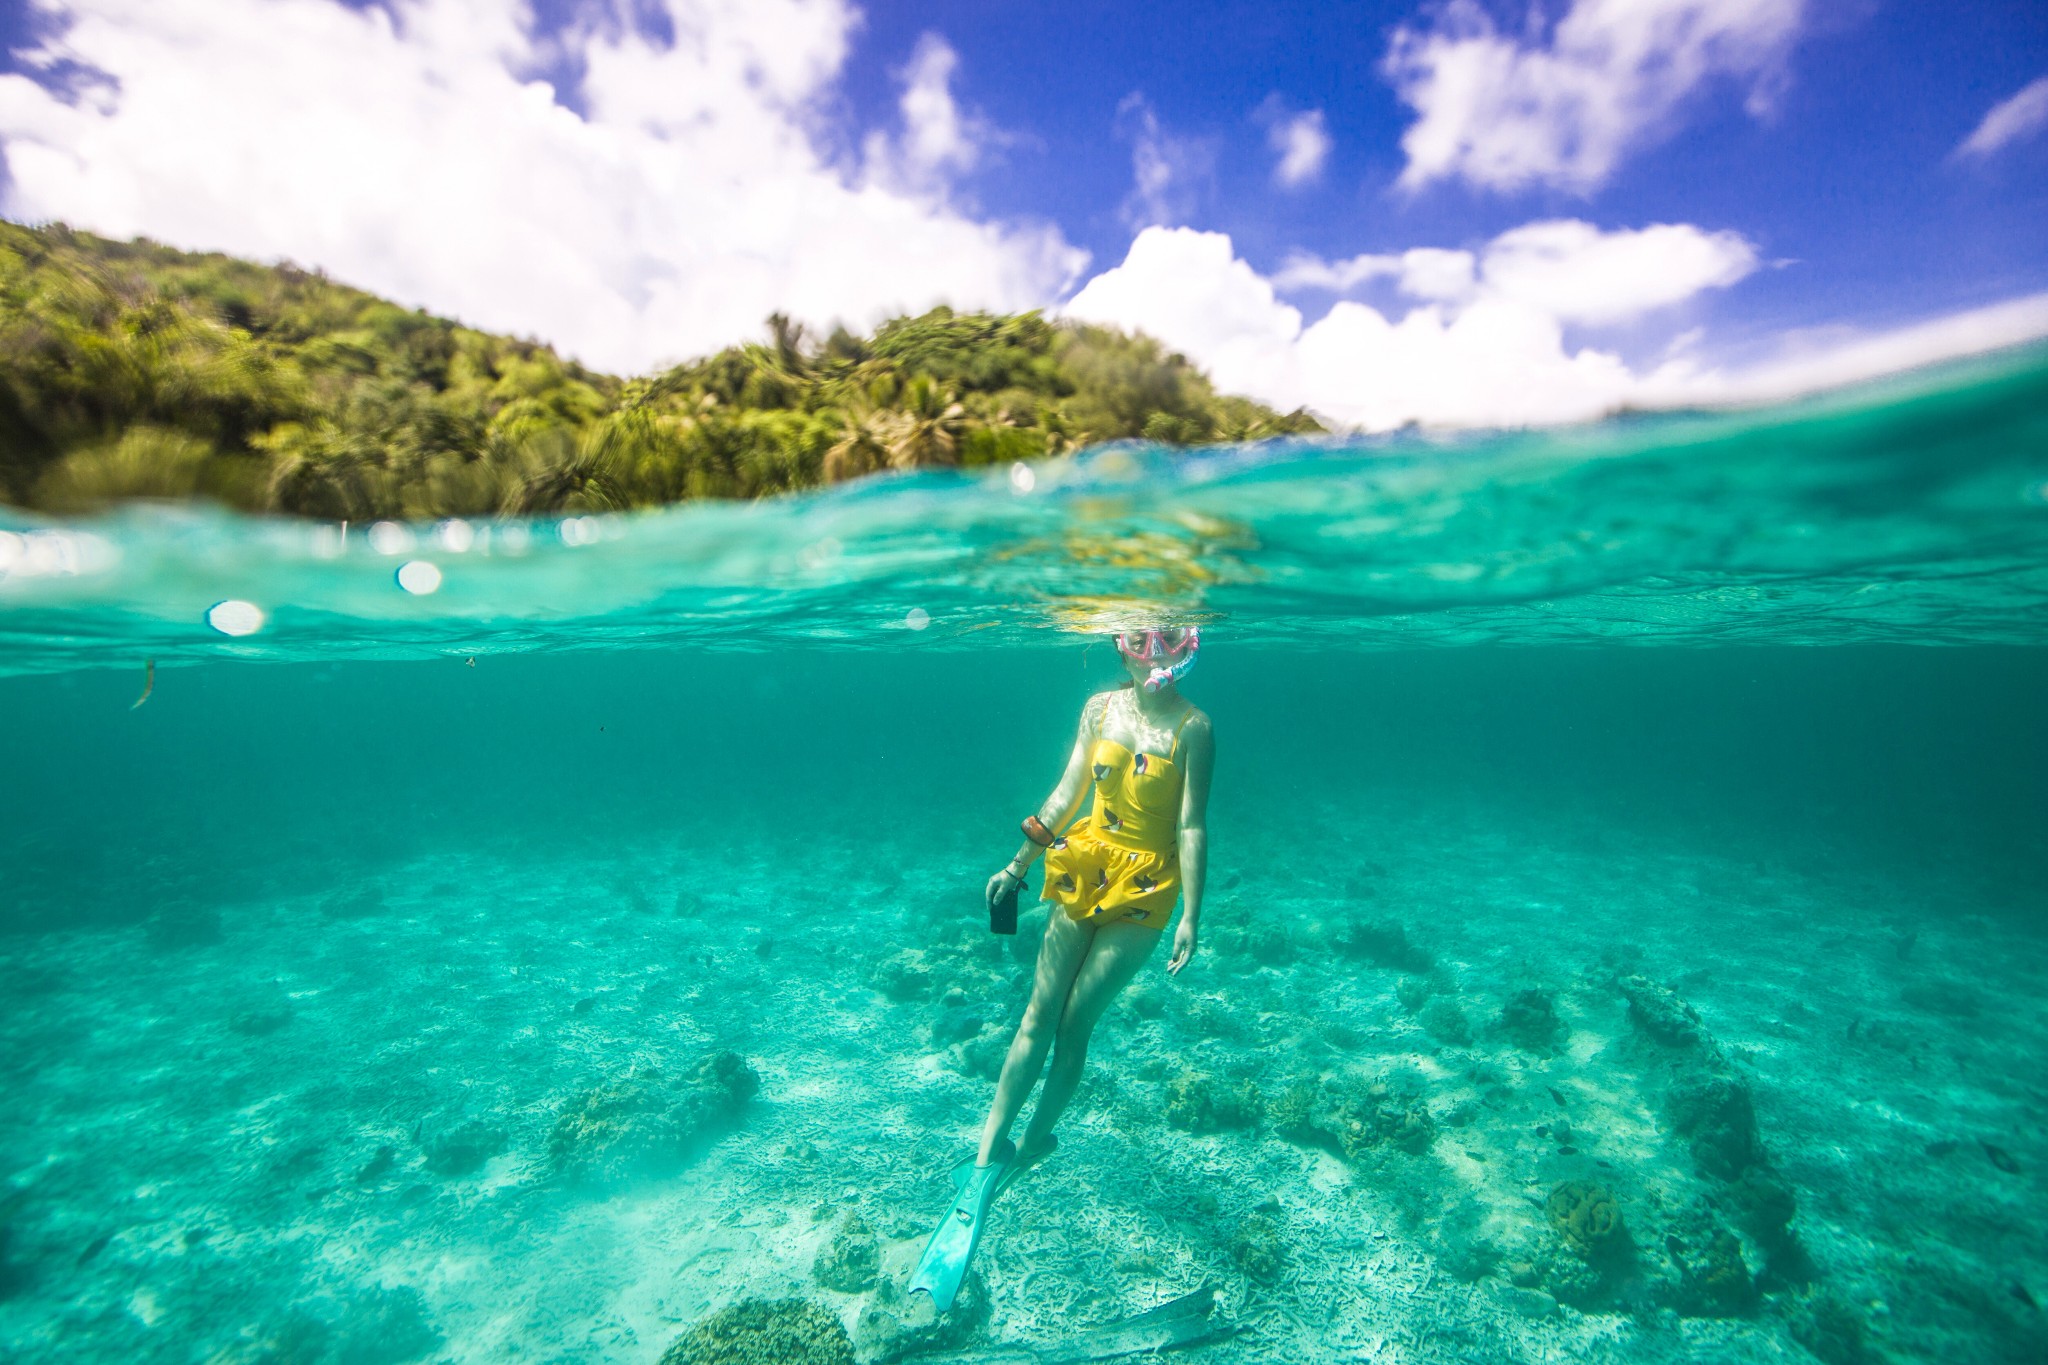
x: 1154, y: 644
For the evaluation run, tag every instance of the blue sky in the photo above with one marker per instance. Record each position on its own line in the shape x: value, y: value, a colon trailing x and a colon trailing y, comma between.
x: 1803, y: 158
x: 1850, y: 178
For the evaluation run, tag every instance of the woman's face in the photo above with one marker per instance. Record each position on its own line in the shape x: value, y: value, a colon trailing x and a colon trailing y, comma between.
x: 1144, y: 650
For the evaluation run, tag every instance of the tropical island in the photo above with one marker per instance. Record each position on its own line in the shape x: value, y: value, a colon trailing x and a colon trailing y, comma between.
x: 135, y: 371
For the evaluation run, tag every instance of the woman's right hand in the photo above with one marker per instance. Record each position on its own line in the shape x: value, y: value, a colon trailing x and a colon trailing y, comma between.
x: 1000, y: 882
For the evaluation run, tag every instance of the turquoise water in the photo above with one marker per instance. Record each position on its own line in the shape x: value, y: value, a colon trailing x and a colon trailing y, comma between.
x: 1647, y: 819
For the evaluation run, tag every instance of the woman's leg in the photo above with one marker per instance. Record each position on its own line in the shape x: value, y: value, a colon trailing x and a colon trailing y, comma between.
x: 1059, y: 958
x: 1113, y: 959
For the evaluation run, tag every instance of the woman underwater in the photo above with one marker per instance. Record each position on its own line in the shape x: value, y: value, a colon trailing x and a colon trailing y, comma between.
x: 1112, y: 876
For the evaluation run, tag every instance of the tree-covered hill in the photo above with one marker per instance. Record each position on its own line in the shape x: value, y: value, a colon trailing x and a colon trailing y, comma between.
x: 129, y: 370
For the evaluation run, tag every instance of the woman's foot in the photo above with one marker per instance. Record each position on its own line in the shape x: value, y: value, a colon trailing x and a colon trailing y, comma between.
x: 1003, y: 1153
x: 1028, y: 1157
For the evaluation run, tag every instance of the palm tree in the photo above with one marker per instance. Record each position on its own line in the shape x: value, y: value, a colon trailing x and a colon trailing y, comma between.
x: 788, y: 340
x: 320, y: 470
x: 927, y: 429
x: 862, y: 450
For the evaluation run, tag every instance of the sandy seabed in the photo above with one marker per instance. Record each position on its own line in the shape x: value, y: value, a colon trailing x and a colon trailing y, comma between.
x: 330, y: 1124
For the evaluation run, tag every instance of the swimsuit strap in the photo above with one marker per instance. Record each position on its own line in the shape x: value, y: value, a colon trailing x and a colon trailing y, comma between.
x: 1173, y: 753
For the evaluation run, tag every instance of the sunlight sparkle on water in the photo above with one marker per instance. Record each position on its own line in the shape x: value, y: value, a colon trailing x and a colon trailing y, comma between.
x: 419, y: 577
x: 390, y: 538
x: 235, y: 617
x: 455, y: 535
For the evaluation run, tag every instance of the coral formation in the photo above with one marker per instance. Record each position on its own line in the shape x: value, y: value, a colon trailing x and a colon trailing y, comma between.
x: 645, y: 1120
x: 1714, y: 1111
x: 1292, y: 1112
x: 850, y: 1261
x: 465, y: 1147
x: 1356, y: 1118
x: 1444, y: 1021
x: 764, y: 1332
x: 1588, y: 1218
x: 1571, y: 1278
x: 1714, y: 1280
x: 1832, y: 1330
x: 1711, y: 1106
x: 982, y: 1055
x: 902, y: 975
x: 1413, y: 992
x: 1203, y: 1104
x: 1257, y: 1248
x: 1663, y: 1014
x: 894, y: 1325
x: 1462, y: 1244
x: 1529, y: 1020
x: 1384, y: 943
x: 958, y: 1019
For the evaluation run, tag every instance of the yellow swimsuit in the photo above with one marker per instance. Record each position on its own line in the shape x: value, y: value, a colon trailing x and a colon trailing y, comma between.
x: 1121, y: 861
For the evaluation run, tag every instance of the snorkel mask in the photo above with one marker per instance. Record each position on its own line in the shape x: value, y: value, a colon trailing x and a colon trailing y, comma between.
x: 1171, y: 652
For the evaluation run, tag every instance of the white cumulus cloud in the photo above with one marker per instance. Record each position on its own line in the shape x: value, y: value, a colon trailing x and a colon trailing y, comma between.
x: 938, y: 139
x: 1577, y: 273
x: 412, y: 150
x: 1489, y: 347
x: 1563, y: 106
x: 2009, y: 121
x: 1168, y: 172
x: 1300, y: 143
x: 1569, y: 269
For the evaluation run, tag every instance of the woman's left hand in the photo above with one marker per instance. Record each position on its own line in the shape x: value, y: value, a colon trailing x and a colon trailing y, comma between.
x: 1183, y: 948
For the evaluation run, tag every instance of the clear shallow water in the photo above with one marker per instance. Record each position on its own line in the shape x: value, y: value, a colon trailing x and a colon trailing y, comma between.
x: 304, y: 968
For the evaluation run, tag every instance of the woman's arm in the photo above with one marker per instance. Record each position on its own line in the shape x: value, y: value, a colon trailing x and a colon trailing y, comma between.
x: 1199, y: 749
x: 1059, y: 807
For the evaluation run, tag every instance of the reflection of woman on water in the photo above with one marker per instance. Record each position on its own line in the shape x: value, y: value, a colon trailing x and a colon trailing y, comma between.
x: 1112, y: 875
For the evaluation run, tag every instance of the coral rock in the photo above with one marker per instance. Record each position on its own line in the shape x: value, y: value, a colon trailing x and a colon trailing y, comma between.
x: 1664, y: 1014
x: 764, y: 1332
x: 1715, y: 1111
x: 1588, y: 1218
x: 465, y: 1147
x: 1202, y: 1104
x: 1384, y: 943
x: 849, y: 1262
x: 1257, y: 1248
x: 894, y: 1325
x: 1529, y: 1020
x: 644, y: 1121
x: 1714, y: 1279
x: 1357, y: 1119
x: 1444, y: 1021
x: 903, y: 975
x: 1413, y: 992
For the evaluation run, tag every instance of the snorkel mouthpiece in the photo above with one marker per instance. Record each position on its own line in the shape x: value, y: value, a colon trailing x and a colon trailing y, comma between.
x: 1159, y: 645
x: 1161, y: 677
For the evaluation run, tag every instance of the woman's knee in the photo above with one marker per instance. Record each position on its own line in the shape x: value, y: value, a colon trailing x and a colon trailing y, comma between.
x: 1037, y: 1029
x: 1076, y: 1027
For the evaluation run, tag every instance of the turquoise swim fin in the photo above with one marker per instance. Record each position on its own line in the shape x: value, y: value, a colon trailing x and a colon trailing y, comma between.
x: 943, y: 1266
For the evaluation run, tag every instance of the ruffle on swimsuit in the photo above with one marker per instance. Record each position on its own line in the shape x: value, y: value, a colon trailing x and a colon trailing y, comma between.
x: 1121, y: 861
